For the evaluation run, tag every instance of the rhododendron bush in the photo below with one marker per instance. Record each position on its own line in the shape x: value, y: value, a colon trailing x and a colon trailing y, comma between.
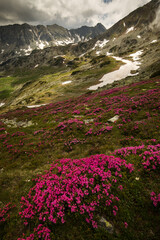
x: 78, y: 186
x: 4, y: 212
x: 155, y: 198
x: 149, y: 156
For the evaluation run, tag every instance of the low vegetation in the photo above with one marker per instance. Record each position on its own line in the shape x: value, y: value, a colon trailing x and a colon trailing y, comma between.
x: 68, y: 165
x: 43, y: 84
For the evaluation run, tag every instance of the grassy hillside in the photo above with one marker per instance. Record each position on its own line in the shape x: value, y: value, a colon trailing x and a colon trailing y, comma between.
x: 110, y: 140
x: 43, y: 84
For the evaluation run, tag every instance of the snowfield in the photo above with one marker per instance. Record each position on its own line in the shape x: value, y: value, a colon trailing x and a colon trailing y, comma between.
x: 123, y: 72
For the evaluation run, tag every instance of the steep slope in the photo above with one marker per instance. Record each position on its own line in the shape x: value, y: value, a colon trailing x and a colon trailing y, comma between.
x: 140, y: 18
x: 133, y: 31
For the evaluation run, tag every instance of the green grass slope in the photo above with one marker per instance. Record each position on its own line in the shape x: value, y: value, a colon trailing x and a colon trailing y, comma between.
x: 44, y: 84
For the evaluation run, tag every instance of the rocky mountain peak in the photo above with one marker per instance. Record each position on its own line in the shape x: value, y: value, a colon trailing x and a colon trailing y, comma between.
x: 100, y: 27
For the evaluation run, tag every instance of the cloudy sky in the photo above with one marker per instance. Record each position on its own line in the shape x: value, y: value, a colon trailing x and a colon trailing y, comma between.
x: 67, y: 13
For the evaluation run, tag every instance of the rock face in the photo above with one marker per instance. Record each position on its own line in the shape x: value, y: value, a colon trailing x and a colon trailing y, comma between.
x: 19, y: 40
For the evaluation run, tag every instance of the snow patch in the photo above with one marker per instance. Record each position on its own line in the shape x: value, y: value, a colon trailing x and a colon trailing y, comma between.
x: 122, y: 72
x: 136, y: 55
x: 79, y: 39
x: 101, y: 44
x: 130, y: 30
x: 2, y: 51
x: 124, y: 24
x: 109, y: 54
x: 67, y: 82
x: 29, y: 48
x: 82, y: 54
x: 98, y: 52
x: 64, y: 42
x: 59, y: 56
x: 27, y: 51
x: 35, y: 106
x: 41, y: 45
x: 138, y: 36
x: 154, y: 41
x: 68, y: 41
x: 114, y: 39
x: 36, y: 66
x: 2, y: 104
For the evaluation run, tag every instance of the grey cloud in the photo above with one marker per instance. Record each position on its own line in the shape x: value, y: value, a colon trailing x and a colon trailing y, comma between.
x: 18, y: 11
x: 89, y: 13
x: 70, y: 13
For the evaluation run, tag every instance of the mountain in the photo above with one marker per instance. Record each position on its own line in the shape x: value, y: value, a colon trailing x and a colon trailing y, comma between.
x: 19, y: 40
x: 135, y: 31
x: 88, y: 32
x: 141, y: 18
x: 140, y: 30
x: 39, y: 77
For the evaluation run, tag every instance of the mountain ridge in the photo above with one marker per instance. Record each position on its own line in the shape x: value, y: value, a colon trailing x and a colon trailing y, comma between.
x: 123, y: 37
x: 22, y: 39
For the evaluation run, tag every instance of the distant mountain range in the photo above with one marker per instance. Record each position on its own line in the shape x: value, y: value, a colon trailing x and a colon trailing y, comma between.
x: 135, y: 31
x: 20, y: 40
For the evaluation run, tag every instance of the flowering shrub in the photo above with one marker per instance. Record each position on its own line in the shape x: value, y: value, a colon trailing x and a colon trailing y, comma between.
x: 68, y: 144
x: 68, y: 124
x: 155, y: 198
x: 149, y: 155
x: 80, y: 186
x: 18, y: 134
x: 40, y: 232
x: 4, y: 212
x: 104, y: 129
x: 125, y: 224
